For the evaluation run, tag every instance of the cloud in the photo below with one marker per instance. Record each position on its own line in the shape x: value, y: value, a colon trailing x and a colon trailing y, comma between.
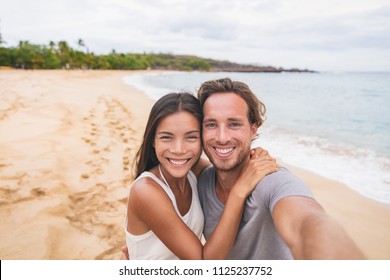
x: 262, y: 31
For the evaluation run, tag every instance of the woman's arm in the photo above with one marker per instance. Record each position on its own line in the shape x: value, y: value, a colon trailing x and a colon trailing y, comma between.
x: 151, y: 209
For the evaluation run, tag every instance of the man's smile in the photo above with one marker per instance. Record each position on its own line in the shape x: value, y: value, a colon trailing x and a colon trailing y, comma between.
x: 224, y: 152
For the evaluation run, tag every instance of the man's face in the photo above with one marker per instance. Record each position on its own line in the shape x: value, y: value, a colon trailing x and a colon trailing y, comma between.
x: 227, y: 133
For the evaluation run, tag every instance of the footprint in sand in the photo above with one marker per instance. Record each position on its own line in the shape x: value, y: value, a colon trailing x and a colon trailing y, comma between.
x: 107, y: 121
x: 95, y: 213
x: 10, y: 104
x: 11, y: 190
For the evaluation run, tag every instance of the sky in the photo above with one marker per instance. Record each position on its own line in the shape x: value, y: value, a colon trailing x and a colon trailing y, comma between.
x: 321, y: 35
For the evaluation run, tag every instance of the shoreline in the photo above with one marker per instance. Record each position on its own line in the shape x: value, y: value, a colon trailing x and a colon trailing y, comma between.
x: 68, y: 139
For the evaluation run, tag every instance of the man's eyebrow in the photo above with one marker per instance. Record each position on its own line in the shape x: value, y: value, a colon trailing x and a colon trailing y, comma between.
x: 209, y: 119
x: 232, y: 119
x: 235, y: 119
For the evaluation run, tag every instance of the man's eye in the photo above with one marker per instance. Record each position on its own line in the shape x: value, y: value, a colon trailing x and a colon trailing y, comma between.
x: 210, y: 125
x: 235, y: 125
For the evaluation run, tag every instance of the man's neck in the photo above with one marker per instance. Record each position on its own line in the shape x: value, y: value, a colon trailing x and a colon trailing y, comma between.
x: 225, y: 181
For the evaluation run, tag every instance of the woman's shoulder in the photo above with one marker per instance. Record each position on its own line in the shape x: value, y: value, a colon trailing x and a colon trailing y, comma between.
x: 146, y: 183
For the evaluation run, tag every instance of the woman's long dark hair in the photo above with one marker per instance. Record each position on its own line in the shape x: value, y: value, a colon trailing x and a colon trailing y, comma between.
x: 146, y: 158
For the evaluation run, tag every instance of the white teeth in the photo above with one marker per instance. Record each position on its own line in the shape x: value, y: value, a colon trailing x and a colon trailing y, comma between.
x: 224, y: 151
x: 178, y: 162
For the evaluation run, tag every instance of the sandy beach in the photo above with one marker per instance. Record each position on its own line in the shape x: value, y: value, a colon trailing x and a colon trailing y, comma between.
x: 67, y: 142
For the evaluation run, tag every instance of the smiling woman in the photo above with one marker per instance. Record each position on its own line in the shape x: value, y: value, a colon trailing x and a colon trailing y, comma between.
x: 169, y: 104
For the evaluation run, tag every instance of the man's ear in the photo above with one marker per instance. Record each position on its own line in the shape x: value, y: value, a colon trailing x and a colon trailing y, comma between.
x: 254, y: 133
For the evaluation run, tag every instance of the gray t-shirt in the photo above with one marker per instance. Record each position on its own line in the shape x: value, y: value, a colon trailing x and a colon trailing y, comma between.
x: 257, y: 237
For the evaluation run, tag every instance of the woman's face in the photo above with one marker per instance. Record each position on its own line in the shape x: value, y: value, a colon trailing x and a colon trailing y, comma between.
x: 178, y: 143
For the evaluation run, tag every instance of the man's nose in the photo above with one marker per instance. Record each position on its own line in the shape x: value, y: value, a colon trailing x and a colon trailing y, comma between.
x: 222, y: 135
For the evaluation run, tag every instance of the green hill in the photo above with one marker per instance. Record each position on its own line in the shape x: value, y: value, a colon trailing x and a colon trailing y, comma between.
x: 61, y: 56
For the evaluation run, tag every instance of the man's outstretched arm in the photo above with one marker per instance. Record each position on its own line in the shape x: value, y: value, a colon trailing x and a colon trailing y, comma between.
x: 310, y: 233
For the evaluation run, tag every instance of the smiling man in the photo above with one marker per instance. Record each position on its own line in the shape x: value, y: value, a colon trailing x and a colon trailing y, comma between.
x: 281, y: 219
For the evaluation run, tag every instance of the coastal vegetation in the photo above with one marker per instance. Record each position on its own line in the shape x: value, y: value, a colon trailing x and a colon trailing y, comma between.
x: 60, y: 55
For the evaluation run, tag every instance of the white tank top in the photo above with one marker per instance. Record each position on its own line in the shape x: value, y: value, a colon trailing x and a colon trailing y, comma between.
x: 148, y: 246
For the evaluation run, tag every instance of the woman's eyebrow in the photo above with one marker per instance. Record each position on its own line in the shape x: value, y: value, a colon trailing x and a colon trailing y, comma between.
x: 165, y: 132
x: 193, y: 131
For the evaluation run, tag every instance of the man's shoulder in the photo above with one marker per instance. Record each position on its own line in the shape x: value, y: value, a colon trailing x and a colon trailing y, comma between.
x: 283, y: 175
x: 281, y: 179
x: 278, y: 185
x: 206, y: 173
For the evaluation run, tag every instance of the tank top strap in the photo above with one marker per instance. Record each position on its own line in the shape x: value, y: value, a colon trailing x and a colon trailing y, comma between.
x: 163, y: 186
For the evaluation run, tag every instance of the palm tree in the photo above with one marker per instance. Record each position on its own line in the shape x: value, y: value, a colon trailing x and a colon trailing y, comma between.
x: 64, y: 52
x: 1, y: 39
x: 81, y: 43
x: 52, y: 45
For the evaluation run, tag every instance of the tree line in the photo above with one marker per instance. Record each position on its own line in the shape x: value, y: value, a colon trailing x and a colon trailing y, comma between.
x: 61, y: 56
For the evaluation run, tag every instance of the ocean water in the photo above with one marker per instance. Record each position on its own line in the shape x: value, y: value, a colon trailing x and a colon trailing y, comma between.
x: 334, y: 124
